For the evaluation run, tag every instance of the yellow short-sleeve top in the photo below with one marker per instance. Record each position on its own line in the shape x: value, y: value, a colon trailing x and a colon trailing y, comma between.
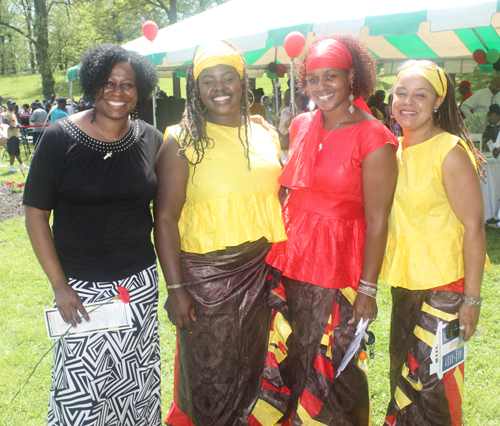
x: 226, y: 203
x: 425, y: 239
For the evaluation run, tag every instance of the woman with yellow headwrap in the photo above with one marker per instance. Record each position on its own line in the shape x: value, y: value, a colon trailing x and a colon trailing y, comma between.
x: 436, y: 246
x: 216, y: 213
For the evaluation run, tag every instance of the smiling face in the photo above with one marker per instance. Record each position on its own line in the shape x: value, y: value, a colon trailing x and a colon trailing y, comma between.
x: 221, y: 91
x: 118, y: 96
x: 329, y: 87
x: 414, y: 101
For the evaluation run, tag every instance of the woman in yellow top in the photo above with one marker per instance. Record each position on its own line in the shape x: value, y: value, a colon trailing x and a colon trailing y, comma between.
x: 436, y: 246
x: 216, y: 213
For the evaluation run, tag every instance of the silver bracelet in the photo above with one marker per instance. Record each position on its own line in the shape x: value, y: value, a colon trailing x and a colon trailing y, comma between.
x: 471, y: 301
x: 368, y: 283
x: 171, y: 287
x: 366, y: 293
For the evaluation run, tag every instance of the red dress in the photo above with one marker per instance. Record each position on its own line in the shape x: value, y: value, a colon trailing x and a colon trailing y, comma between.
x: 325, y: 222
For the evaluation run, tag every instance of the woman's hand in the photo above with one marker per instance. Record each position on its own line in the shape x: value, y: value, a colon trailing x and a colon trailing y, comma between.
x: 364, y: 307
x: 70, y: 305
x: 468, y: 318
x: 180, y: 309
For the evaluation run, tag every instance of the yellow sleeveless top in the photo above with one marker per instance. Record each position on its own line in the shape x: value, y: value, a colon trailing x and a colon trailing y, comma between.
x: 226, y: 203
x: 425, y: 239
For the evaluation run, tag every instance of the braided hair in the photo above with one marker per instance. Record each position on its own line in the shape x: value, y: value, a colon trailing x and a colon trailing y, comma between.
x: 448, y: 118
x: 194, y: 125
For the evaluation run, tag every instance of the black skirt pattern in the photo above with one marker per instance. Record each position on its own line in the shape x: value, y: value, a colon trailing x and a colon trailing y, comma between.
x: 111, y: 378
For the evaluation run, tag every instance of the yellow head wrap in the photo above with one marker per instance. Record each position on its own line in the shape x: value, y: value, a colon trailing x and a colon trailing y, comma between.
x: 216, y: 53
x: 430, y: 71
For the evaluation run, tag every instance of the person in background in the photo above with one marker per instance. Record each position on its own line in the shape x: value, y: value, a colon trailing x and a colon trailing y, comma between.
x: 492, y: 126
x: 257, y: 108
x: 60, y: 111
x: 38, y: 118
x: 217, y: 212
x: 464, y: 89
x: 436, y: 247
x: 482, y: 99
x: 24, y: 116
x: 341, y: 172
x: 12, y: 146
x: 94, y: 173
x: 270, y: 115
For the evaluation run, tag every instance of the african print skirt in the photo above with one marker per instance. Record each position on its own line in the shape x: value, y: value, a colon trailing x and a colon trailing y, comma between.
x: 418, y: 397
x: 309, y: 336
x: 218, y: 367
x: 111, y: 378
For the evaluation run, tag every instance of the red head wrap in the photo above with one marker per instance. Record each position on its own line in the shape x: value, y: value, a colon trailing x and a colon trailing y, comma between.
x: 328, y: 53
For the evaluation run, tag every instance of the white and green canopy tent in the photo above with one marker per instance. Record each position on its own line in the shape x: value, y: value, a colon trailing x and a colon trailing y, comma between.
x: 446, y: 31
x: 71, y: 75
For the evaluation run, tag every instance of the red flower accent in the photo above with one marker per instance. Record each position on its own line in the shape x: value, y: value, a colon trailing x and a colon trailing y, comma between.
x: 20, y: 185
x: 11, y: 183
x: 123, y: 294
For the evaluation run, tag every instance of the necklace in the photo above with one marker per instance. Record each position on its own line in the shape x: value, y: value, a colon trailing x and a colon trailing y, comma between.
x: 107, y: 137
x: 338, y: 124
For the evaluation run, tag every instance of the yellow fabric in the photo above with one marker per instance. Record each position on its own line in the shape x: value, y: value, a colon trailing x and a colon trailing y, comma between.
x: 435, y: 76
x: 401, y: 399
x: 424, y: 335
x: 280, y: 333
x: 425, y: 239
x: 350, y: 294
x: 227, y: 204
x: 265, y: 413
x: 415, y: 385
x: 460, y: 381
x: 216, y: 53
x: 438, y: 313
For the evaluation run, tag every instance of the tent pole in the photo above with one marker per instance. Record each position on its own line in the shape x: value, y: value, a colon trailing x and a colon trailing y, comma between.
x: 292, y: 88
x: 154, y: 108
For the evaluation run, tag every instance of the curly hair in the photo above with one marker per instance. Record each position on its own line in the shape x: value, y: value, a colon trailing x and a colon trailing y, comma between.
x: 194, y: 126
x: 364, y: 65
x: 448, y: 118
x: 97, y: 63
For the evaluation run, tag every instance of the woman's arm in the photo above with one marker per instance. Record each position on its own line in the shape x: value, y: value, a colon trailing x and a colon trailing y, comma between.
x: 464, y: 193
x: 380, y: 172
x: 67, y: 300
x: 172, y: 172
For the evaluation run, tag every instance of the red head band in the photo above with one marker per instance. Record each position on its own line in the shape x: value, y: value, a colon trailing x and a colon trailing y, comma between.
x: 329, y: 53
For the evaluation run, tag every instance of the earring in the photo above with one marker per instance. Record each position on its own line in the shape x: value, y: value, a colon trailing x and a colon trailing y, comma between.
x: 134, y: 114
x: 253, y: 98
x: 439, y: 116
x: 93, y: 114
x: 351, y: 99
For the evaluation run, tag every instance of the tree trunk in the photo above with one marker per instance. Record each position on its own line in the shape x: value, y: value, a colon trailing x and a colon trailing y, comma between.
x: 42, y: 47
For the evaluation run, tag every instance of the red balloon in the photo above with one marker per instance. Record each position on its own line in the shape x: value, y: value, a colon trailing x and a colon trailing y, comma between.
x: 280, y: 72
x: 150, y: 30
x: 479, y: 56
x: 294, y: 43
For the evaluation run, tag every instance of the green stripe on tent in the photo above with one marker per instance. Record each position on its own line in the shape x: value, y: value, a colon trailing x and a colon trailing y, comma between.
x: 469, y: 39
x: 72, y: 73
x: 157, y: 58
x: 254, y: 56
x: 395, y: 24
x: 489, y: 36
x: 279, y: 34
x: 411, y: 45
x: 498, y: 5
x: 374, y: 54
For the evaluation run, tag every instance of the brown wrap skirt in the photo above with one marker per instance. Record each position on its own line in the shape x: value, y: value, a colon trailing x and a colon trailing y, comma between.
x: 418, y: 397
x: 218, y: 367
x: 309, y: 337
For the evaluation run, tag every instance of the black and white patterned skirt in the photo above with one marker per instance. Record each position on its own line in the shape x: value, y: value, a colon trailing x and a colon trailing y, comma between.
x: 111, y: 378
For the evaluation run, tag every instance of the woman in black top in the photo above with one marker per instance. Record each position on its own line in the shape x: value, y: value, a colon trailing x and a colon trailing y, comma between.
x: 95, y: 171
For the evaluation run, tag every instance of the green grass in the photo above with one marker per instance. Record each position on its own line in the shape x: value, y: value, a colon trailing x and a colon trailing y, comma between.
x: 23, y: 339
x: 25, y: 88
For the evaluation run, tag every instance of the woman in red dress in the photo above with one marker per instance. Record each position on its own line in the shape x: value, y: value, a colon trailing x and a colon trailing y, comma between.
x: 341, y: 173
